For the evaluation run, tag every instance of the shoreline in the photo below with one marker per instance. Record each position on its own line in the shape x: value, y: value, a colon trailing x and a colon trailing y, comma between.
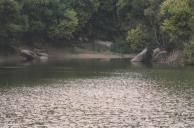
x: 67, y: 55
x: 91, y: 56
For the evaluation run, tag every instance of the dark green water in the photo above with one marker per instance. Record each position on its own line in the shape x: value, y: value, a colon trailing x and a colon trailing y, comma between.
x: 96, y: 93
x: 32, y: 74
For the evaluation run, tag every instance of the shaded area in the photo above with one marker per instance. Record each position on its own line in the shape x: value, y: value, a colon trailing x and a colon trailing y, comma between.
x: 32, y: 73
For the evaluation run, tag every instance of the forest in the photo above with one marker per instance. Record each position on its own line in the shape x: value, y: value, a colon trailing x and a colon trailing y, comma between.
x: 131, y: 24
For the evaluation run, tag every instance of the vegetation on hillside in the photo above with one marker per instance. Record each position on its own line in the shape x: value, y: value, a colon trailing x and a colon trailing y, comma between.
x: 134, y: 24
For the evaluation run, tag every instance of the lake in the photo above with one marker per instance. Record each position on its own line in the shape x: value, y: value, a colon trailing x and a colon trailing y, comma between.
x: 95, y: 93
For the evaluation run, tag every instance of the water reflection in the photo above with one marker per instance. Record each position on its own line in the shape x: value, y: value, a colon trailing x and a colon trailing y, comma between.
x: 96, y: 93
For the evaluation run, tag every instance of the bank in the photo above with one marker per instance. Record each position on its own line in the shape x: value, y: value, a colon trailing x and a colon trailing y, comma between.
x: 88, y: 50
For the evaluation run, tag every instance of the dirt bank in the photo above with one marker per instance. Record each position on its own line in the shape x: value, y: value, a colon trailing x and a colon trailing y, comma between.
x: 89, y: 56
x: 62, y: 55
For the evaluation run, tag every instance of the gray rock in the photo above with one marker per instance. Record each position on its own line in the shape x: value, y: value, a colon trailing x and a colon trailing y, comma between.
x: 159, y: 56
x: 156, y: 51
x: 27, y: 54
x: 141, y: 56
x: 42, y: 54
x: 105, y: 44
x: 163, y: 57
x: 175, y: 58
x: 43, y: 58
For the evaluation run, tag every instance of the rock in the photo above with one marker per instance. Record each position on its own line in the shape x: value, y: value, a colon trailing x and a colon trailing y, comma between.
x: 163, y: 57
x: 156, y: 51
x: 43, y: 58
x: 42, y: 54
x: 27, y: 54
x: 159, y: 56
x: 83, y: 39
x: 141, y: 56
x: 105, y: 44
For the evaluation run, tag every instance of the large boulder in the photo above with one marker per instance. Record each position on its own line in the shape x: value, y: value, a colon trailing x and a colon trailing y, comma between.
x: 163, y: 57
x: 27, y: 54
x: 42, y: 56
x: 156, y: 51
x: 141, y: 56
x: 159, y: 55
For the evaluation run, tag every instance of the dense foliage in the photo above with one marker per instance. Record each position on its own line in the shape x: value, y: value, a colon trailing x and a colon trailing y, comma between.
x: 139, y: 23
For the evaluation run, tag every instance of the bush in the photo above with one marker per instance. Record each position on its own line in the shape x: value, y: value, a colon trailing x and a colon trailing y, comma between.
x: 189, y: 52
x: 137, y: 38
x: 120, y: 46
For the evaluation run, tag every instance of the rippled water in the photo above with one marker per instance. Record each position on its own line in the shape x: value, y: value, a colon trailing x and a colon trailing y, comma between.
x: 95, y: 94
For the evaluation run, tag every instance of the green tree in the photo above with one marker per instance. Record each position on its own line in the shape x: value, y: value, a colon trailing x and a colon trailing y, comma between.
x: 138, y: 38
x: 50, y: 19
x: 104, y: 22
x: 130, y: 13
x: 10, y: 25
x: 84, y: 9
x: 177, y: 20
x: 64, y: 27
x: 189, y: 52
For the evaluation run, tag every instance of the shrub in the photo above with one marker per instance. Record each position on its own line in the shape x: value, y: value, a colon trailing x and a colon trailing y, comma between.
x: 137, y: 38
x: 189, y: 52
x: 120, y: 46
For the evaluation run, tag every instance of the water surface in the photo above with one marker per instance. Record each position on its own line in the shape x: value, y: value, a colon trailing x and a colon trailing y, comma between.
x: 99, y: 93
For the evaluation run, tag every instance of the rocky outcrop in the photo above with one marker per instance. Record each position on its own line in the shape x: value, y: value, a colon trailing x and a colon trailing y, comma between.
x: 103, y: 44
x: 156, y: 51
x: 29, y: 55
x: 163, y: 57
x: 160, y: 56
x: 141, y: 56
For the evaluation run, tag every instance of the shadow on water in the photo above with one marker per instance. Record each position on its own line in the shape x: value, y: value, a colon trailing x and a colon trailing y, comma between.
x: 40, y: 73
